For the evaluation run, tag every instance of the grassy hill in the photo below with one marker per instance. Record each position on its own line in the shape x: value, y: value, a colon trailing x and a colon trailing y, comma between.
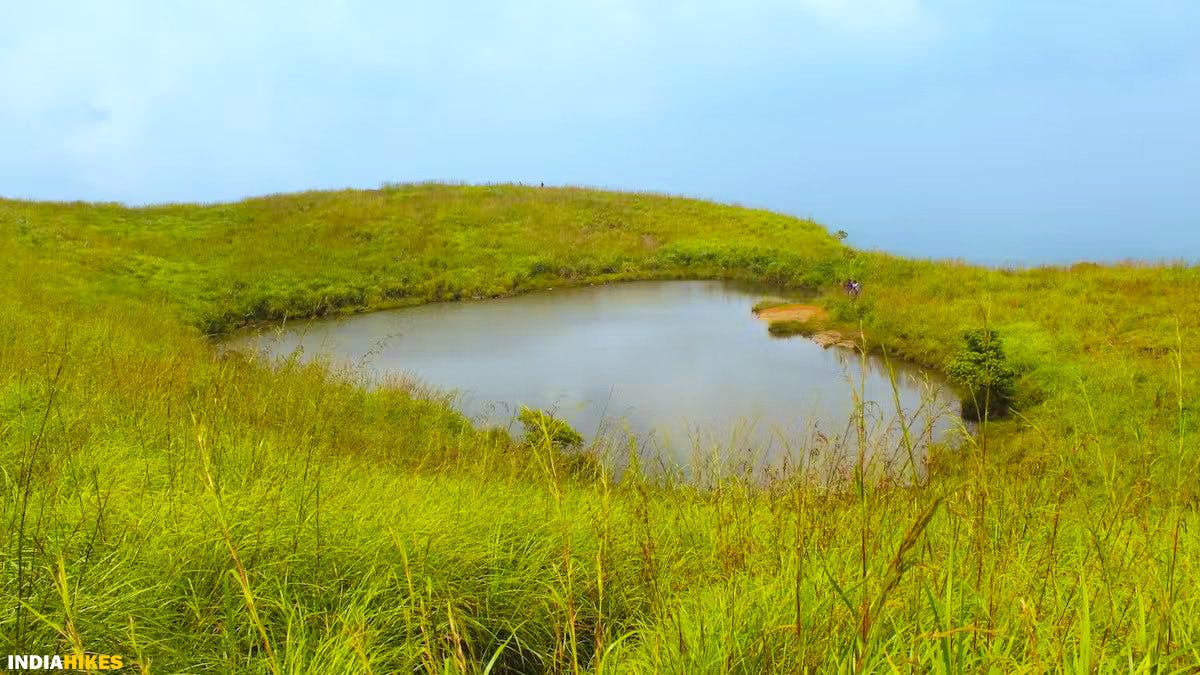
x: 195, y: 512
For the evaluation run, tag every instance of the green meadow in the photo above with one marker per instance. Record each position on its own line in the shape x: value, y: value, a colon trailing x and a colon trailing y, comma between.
x: 199, y: 511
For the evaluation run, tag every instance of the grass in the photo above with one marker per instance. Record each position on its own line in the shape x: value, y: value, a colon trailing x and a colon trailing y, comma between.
x: 788, y: 328
x: 196, y: 512
x: 769, y: 303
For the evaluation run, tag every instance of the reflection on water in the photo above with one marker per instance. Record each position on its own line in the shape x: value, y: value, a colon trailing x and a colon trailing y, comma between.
x: 681, y: 366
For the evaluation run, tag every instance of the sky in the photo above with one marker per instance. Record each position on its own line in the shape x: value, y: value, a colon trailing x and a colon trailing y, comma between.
x: 996, y: 131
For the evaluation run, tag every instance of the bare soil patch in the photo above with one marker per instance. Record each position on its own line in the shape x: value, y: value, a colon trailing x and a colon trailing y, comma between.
x: 791, y: 312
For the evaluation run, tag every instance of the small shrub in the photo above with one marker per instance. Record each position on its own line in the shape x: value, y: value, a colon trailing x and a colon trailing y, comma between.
x: 542, y: 427
x: 982, y: 369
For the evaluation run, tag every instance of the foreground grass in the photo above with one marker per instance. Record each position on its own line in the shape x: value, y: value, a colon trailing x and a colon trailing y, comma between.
x: 202, y: 513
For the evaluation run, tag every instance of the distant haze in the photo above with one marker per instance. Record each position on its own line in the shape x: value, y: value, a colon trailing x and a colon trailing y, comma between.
x: 1000, y: 131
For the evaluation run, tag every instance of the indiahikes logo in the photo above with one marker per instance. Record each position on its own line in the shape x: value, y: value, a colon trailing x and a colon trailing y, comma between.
x: 64, y: 661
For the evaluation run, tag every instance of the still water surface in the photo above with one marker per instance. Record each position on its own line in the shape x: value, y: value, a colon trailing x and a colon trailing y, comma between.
x: 682, y: 366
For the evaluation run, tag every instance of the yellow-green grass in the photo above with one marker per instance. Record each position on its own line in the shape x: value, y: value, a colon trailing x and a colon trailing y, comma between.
x: 204, y: 513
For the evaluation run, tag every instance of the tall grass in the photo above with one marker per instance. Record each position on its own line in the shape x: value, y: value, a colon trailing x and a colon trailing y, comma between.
x: 203, y: 512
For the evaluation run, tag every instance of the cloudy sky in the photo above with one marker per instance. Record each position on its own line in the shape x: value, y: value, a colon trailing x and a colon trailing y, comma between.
x: 996, y: 130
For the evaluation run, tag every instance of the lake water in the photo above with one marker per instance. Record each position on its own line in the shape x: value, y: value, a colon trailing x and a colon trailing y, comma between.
x: 683, y: 367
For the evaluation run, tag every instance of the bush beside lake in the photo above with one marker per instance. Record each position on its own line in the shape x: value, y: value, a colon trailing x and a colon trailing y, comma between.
x: 196, y: 511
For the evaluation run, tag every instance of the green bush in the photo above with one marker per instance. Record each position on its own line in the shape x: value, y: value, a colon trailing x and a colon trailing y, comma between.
x: 542, y: 427
x: 982, y: 369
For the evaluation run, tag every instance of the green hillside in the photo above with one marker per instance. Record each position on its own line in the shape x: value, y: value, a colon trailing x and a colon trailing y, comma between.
x: 197, y: 512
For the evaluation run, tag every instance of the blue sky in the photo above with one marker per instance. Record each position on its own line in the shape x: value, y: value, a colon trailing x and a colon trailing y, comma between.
x: 997, y: 131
